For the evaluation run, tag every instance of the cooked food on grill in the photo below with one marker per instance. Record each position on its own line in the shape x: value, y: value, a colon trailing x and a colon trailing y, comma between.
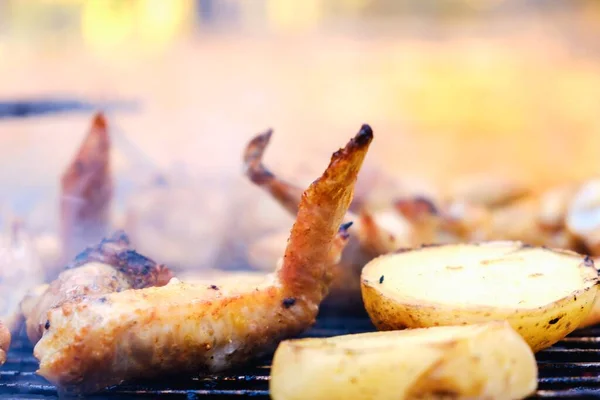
x: 544, y: 294
x: 111, y: 266
x: 583, y: 215
x: 368, y: 238
x: 94, y: 341
x: 86, y: 192
x: 488, y: 190
x: 4, y: 342
x: 482, y: 361
x: 20, y: 270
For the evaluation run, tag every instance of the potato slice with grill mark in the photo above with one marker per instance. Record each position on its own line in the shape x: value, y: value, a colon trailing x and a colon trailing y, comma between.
x: 544, y: 294
x: 459, y: 362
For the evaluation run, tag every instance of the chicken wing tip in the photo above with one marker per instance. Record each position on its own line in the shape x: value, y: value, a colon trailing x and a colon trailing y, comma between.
x: 99, y: 120
x: 252, y: 157
x: 364, y: 135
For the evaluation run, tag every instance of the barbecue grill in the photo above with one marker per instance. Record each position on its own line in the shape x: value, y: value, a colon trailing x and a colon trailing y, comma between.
x: 569, y: 369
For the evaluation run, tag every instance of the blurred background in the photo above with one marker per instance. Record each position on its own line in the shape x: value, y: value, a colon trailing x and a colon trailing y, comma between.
x: 451, y: 88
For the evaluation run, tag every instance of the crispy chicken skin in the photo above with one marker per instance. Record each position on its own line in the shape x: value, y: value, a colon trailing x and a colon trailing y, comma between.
x: 111, y: 266
x: 96, y: 341
x: 86, y: 191
x: 4, y: 342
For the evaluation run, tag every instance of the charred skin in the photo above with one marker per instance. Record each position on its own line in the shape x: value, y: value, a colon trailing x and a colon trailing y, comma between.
x: 111, y: 266
x: 4, y: 342
x: 86, y: 191
x: 104, y: 340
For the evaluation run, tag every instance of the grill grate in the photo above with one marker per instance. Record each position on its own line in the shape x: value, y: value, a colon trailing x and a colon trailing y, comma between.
x: 570, y: 369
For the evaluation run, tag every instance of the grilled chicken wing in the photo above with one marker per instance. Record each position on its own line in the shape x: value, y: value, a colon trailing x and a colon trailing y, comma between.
x: 94, y: 341
x: 87, y: 189
x: 374, y: 233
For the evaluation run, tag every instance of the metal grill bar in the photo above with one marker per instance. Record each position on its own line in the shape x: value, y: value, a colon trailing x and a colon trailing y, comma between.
x: 570, y: 369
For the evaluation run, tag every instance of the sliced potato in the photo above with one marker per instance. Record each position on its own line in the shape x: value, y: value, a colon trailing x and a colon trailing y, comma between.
x: 544, y: 294
x: 458, y: 361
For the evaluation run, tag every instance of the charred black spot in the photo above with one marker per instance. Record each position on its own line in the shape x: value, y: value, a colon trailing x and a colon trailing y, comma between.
x: 426, y: 245
x: 102, y: 299
x: 381, y: 279
x: 214, y: 287
x: 47, y: 325
x: 364, y: 136
x: 588, y: 262
x: 554, y: 320
x: 343, y: 231
x: 403, y: 250
x: 288, y: 302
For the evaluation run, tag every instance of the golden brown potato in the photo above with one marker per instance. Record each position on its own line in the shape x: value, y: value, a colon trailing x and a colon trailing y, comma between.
x: 544, y: 294
x: 459, y: 362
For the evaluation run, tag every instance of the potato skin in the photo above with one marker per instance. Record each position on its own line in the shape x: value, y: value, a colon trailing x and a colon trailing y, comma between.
x: 541, y: 327
x: 593, y: 318
x: 466, y: 364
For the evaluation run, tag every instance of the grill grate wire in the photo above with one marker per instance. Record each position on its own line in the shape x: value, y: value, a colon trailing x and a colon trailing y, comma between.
x: 570, y: 369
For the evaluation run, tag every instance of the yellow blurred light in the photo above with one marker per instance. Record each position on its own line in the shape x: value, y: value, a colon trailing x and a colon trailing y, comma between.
x: 291, y: 14
x: 106, y: 23
x: 160, y: 21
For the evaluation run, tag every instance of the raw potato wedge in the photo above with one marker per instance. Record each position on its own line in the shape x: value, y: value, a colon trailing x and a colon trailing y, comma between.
x: 544, y: 294
x: 459, y: 362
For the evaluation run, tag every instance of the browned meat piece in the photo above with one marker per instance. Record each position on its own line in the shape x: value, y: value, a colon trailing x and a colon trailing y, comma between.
x: 111, y: 266
x: 87, y: 190
x: 94, y: 341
